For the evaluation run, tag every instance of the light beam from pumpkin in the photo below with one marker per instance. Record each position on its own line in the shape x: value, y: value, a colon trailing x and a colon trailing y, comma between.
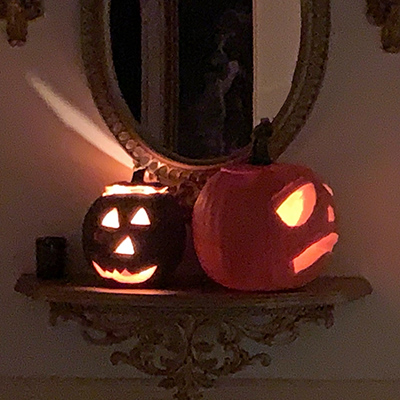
x: 75, y: 119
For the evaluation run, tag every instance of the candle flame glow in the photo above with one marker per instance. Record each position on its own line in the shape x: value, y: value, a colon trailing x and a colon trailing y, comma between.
x: 133, y: 189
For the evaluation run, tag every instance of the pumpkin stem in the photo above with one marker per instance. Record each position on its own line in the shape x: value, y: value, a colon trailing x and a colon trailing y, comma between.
x: 138, y: 176
x: 260, y: 137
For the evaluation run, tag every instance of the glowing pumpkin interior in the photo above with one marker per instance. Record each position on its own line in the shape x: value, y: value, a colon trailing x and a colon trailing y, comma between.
x: 140, y: 218
x: 126, y: 276
x: 135, y: 232
x: 314, y: 252
x: 126, y: 246
x: 331, y: 214
x: 295, y: 210
x: 264, y: 228
x: 117, y: 189
x: 111, y: 219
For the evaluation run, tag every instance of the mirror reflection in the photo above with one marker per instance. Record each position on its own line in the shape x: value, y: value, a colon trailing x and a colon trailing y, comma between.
x: 185, y: 70
x: 215, y: 77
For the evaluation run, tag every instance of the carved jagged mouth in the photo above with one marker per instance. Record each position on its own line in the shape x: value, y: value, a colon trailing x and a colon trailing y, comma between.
x: 125, y: 276
x: 314, y: 252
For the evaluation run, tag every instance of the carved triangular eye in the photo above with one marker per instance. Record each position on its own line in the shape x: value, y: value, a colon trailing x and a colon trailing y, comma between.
x: 141, y: 218
x: 111, y: 219
x: 125, y: 248
x: 298, y: 207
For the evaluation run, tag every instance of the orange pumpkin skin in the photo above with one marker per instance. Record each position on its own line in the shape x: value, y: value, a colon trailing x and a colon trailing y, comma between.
x: 241, y: 240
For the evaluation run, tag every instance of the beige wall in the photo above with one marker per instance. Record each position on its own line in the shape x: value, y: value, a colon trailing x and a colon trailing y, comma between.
x: 49, y: 176
x: 249, y: 389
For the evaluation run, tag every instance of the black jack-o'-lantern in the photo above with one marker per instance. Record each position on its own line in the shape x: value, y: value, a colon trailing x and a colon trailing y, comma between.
x: 134, y: 235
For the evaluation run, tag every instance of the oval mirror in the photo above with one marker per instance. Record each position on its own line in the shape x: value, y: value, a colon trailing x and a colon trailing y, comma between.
x: 182, y: 83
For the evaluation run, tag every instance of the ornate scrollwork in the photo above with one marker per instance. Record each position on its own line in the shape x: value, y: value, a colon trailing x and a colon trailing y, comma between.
x: 386, y: 15
x: 192, y: 337
x: 18, y: 13
x: 191, y: 349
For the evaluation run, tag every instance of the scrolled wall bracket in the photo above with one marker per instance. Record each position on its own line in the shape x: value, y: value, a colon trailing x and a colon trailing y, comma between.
x: 192, y: 337
x: 386, y: 15
x: 17, y: 14
x: 191, y: 350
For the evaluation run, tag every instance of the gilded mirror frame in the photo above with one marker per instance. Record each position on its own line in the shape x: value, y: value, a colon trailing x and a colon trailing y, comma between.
x: 386, y: 15
x: 186, y: 177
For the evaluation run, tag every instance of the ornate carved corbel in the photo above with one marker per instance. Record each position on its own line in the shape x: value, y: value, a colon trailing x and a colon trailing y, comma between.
x: 18, y: 13
x: 191, y: 350
x: 189, y: 338
x: 386, y: 15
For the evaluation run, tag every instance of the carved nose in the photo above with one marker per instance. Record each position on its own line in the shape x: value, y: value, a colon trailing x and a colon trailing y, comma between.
x: 125, y: 248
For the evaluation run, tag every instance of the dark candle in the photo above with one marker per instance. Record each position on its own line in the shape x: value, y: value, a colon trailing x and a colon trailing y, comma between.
x: 50, y: 257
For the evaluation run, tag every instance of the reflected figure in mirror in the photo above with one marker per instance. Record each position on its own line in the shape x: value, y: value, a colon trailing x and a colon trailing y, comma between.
x: 216, y: 113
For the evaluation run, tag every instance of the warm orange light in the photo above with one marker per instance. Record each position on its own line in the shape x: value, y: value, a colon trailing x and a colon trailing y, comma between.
x: 133, y: 189
x: 125, y: 248
x: 331, y: 214
x: 328, y: 189
x: 314, y: 252
x: 125, y: 276
x: 297, y: 208
x: 141, y: 218
x: 74, y: 118
x: 111, y: 219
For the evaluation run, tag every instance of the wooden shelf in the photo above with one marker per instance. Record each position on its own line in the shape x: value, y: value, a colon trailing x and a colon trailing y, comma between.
x: 191, y: 337
x: 322, y: 291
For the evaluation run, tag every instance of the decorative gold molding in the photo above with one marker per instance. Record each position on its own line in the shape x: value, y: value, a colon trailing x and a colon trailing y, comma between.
x: 192, y: 337
x: 386, y: 15
x: 18, y: 13
x: 190, y: 350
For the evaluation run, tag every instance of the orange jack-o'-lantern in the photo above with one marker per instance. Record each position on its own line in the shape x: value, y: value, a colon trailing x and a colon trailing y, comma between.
x: 134, y: 235
x: 264, y: 227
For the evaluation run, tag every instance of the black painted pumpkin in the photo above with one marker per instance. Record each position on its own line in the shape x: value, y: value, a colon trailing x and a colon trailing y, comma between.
x: 134, y: 235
